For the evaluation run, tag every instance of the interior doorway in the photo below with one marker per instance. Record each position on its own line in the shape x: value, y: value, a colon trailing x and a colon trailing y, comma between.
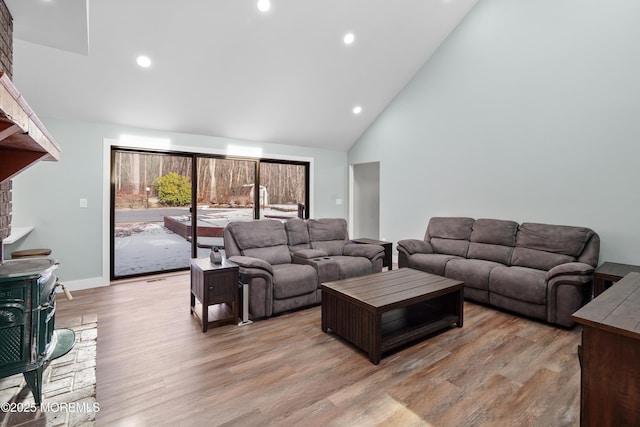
x: 365, y: 200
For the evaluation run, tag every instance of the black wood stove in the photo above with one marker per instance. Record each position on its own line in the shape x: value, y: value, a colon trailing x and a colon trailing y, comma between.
x: 28, y: 340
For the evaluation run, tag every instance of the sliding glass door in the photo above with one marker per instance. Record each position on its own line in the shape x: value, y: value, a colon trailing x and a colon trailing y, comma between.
x: 156, y: 197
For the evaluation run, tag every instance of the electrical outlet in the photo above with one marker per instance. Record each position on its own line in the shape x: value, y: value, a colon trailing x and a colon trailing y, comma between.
x: 84, y: 203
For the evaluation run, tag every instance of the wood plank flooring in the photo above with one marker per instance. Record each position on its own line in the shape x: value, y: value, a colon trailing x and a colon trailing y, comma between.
x: 156, y: 367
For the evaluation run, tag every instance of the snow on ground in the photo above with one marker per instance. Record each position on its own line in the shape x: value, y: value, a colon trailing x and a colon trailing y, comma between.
x: 144, y: 248
x: 147, y: 247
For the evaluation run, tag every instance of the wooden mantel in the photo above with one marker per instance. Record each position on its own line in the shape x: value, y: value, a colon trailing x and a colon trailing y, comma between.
x: 23, y: 138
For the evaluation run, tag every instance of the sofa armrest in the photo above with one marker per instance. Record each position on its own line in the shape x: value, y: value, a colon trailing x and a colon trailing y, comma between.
x: 570, y: 269
x: 363, y: 249
x: 250, y: 262
x: 309, y: 253
x: 414, y: 246
x: 258, y: 274
x: 568, y: 289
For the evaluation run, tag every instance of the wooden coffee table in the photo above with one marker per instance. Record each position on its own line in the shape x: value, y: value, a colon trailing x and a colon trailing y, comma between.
x: 383, y: 311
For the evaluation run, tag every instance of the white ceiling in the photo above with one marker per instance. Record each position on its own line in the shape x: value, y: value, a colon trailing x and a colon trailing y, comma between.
x: 221, y: 67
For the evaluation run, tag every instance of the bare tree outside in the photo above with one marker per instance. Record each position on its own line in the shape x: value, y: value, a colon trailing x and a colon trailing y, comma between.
x: 285, y: 185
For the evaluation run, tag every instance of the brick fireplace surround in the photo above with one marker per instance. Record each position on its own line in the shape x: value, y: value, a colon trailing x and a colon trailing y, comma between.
x: 6, y: 65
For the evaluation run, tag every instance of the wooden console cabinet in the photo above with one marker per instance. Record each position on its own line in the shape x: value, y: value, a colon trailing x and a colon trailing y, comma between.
x: 610, y: 356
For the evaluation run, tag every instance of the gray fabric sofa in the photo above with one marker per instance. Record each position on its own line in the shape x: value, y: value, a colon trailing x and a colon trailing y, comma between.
x: 284, y: 263
x: 324, y: 244
x: 539, y: 270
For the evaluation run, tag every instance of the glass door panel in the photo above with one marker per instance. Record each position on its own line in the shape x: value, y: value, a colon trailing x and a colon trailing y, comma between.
x: 151, y: 200
x: 225, y: 192
x: 283, y: 189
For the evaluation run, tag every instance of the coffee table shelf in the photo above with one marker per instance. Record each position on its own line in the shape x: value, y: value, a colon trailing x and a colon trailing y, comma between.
x: 395, y: 338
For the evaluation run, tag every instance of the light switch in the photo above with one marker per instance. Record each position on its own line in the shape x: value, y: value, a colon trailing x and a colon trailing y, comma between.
x: 83, y: 203
x: 338, y: 201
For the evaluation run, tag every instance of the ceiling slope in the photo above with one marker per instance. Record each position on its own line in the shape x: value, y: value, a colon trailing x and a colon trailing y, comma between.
x: 222, y: 67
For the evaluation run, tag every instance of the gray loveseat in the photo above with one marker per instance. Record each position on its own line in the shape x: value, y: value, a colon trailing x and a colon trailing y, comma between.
x: 284, y: 263
x: 538, y: 270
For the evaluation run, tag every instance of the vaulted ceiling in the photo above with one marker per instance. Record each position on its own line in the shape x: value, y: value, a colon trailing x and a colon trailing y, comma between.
x: 223, y: 67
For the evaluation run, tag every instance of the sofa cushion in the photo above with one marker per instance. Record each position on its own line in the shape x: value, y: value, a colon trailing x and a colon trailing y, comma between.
x: 450, y: 247
x: 540, y: 260
x: 559, y: 239
x: 265, y: 239
x: 489, y: 252
x: 352, y: 266
x: 537, y: 311
x: 473, y: 272
x: 493, y: 240
x: 309, y: 253
x: 272, y: 254
x: 449, y: 235
x: 290, y: 280
x: 328, y: 234
x: 331, y: 247
x: 363, y: 250
x: 456, y: 228
x: 520, y: 283
x: 297, y: 234
x: 430, y: 263
x: 494, y: 232
x: 258, y: 234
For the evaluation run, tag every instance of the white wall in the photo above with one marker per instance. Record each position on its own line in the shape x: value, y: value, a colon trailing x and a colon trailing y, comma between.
x: 47, y: 195
x: 529, y: 111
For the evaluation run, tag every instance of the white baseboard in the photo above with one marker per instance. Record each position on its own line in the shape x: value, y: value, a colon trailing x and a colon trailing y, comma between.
x: 78, y: 285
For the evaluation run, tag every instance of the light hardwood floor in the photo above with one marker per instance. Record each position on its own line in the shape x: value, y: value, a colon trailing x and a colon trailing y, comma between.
x: 156, y: 367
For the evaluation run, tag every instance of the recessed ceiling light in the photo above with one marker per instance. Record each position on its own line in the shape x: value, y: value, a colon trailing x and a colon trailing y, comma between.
x: 357, y: 109
x: 143, y: 61
x: 349, y: 38
x: 264, y: 5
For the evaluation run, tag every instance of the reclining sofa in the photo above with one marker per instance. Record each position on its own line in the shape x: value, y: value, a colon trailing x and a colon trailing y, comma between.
x: 285, y: 263
x: 538, y: 270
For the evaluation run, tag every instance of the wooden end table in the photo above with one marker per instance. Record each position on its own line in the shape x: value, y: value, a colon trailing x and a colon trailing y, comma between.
x: 608, y: 273
x: 387, y: 261
x: 215, y: 284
